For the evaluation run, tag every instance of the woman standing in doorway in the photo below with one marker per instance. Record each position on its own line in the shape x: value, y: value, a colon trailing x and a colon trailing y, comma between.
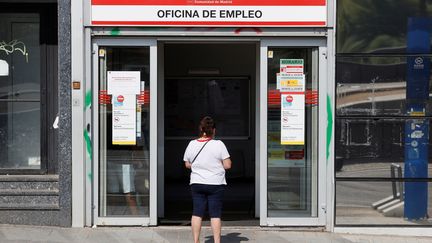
x: 208, y: 159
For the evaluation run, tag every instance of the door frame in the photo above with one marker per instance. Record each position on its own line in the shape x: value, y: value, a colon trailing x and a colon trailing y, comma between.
x: 156, y: 145
x: 125, y: 220
x: 321, y: 45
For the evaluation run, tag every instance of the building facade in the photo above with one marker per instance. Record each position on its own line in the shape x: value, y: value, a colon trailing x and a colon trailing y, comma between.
x: 316, y: 108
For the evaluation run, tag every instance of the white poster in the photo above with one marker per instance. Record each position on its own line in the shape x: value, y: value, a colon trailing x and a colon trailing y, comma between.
x: 124, y: 119
x: 124, y: 86
x: 280, y: 155
x: 291, y: 82
x: 295, y: 66
x: 124, y: 82
x: 292, y: 118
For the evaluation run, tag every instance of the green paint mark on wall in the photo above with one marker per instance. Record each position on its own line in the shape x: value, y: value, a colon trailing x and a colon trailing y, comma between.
x: 88, y: 100
x: 88, y: 103
x: 89, y: 150
x: 329, y: 125
x: 90, y: 176
x: 115, y: 31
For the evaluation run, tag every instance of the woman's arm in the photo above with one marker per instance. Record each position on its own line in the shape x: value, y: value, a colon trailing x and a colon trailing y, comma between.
x: 188, y: 165
x: 227, y: 163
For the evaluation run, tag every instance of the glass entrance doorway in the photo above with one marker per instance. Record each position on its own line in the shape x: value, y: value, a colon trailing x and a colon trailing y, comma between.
x: 219, y: 80
x: 264, y: 95
x: 123, y: 117
x: 293, y: 178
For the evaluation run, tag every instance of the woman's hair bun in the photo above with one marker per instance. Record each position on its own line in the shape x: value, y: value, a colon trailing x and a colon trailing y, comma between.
x: 206, y: 126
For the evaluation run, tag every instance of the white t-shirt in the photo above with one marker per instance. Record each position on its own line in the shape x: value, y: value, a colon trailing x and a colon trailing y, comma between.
x: 207, y: 167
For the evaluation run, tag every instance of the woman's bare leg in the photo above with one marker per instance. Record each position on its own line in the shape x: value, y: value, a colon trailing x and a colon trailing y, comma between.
x: 216, y: 228
x: 196, y: 227
x: 131, y: 202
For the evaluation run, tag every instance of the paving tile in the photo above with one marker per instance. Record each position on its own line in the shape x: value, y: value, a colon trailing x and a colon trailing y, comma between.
x: 272, y: 237
x: 391, y: 240
x: 424, y: 240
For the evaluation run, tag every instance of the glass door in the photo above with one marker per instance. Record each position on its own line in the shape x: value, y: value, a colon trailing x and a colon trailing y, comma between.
x: 125, y: 124
x: 292, y: 170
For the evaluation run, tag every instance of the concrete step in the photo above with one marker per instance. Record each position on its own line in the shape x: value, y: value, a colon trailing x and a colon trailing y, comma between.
x: 29, y: 192
x: 36, y: 192
x: 33, y: 199
x: 29, y: 207
x: 29, y: 182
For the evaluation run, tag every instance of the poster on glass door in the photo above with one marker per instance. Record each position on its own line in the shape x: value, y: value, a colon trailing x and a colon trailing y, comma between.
x: 124, y: 86
x: 124, y: 82
x: 280, y: 155
x: 124, y: 119
x: 293, y: 66
x: 290, y: 82
x: 292, y: 118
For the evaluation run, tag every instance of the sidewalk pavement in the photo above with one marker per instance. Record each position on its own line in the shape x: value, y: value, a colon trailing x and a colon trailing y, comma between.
x: 23, y: 234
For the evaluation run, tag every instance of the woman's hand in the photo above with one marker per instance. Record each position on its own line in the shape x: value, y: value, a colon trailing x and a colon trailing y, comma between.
x: 227, y: 163
x: 188, y: 165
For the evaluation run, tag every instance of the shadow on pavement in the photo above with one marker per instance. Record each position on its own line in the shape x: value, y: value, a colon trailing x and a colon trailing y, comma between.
x: 230, y: 237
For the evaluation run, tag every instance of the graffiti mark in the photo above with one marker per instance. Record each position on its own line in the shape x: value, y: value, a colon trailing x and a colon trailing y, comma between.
x: 88, y: 100
x: 257, y: 30
x: 14, y: 46
x: 87, y: 138
x: 329, y: 126
x: 115, y: 31
x: 90, y: 176
x: 89, y: 150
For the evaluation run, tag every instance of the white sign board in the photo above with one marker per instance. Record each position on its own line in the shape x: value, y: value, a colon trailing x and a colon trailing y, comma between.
x: 277, y: 13
x: 291, y: 82
x: 280, y: 155
x: 124, y: 119
x: 292, y: 66
x: 124, y: 82
x: 124, y: 86
x: 292, y: 118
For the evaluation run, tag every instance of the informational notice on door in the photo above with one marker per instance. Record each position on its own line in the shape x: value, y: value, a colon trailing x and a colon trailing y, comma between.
x: 124, y: 119
x: 292, y: 118
x: 280, y: 155
x: 124, y: 82
x: 124, y: 86
x: 294, y: 66
x: 291, y: 83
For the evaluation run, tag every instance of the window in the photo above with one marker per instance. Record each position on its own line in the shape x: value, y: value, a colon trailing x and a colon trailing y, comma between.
x: 28, y: 81
x: 383, y: 112
x: 376, y: 26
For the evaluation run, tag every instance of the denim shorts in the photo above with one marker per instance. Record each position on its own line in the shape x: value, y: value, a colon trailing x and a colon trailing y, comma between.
x: 207, y: 194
